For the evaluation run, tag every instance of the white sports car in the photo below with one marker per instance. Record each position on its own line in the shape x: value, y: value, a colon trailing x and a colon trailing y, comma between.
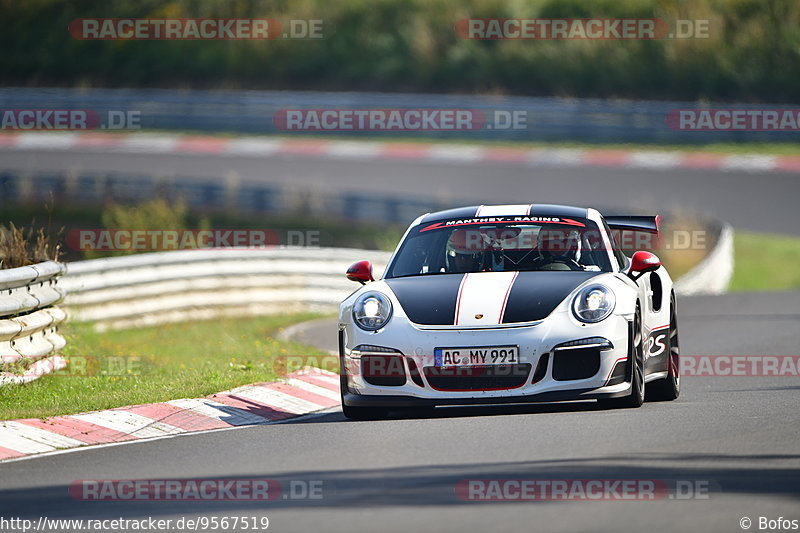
x: 510, y: 304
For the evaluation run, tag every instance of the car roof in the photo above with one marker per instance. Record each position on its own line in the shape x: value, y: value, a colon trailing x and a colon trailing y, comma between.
x: 538, y: 210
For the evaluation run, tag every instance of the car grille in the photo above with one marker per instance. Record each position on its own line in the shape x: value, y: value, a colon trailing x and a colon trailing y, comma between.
x: 481, y: 377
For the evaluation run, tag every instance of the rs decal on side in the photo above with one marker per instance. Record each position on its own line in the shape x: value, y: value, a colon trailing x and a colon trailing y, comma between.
x: 655, y: 344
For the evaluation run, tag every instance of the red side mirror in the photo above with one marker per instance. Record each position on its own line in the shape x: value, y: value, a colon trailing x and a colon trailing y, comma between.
x: 643, y: 262
x: 360, y: 272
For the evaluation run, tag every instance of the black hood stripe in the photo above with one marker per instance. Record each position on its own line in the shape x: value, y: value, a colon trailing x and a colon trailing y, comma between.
x: 536, y: 294
x: 429, y: 299
x: 432, y: 299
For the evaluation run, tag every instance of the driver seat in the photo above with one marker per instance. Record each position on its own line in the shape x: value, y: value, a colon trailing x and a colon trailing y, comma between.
x: 558, y: 244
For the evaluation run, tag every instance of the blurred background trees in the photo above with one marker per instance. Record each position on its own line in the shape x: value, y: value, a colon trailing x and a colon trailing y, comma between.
x: 752, y: 54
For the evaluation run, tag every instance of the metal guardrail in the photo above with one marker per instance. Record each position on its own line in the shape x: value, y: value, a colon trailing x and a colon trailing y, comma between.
x: 29, y: 321
x: 156, y: 288
x: 177, y: 286
x: 548, y: 119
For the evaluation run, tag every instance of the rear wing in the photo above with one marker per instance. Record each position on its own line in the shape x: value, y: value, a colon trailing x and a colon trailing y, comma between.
x: 647, y: 224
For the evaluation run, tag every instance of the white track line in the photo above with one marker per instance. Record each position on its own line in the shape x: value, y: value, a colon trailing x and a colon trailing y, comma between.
x: 47, y: 141
x: 315, y: 389
x: 39, y: 435
x: 556, y: 157
x: 751, y: 163
x: 322, y: 375
x: 456, y: 153
x: 655, y: 160
x: 51, y: 452
x: 130, y: 423
x: 219, y: 411
x: 12, y: 441
x: 252, y: 147
x: 277, y: 399
x: 354, y: 149
x: 149, y: 143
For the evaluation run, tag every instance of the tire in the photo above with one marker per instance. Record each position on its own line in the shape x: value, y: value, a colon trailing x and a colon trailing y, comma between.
x: 636, y: 397
x: 669, y: 388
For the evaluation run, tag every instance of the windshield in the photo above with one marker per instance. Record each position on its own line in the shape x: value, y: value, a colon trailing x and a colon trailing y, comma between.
x: 464, y: 247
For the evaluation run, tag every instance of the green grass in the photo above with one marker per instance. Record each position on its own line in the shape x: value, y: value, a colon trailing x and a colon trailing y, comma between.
x: 765, y: 262
x: 156, y: 364
x: 332, y: 232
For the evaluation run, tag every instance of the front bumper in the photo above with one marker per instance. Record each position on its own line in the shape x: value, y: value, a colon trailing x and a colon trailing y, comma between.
x: 361, y: 400
x: 536, y: 342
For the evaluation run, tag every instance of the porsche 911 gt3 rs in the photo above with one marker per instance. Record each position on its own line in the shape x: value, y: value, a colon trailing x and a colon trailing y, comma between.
x: 510, y: 304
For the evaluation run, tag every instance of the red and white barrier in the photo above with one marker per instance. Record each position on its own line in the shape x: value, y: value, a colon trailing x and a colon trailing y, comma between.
x: 438, y: 152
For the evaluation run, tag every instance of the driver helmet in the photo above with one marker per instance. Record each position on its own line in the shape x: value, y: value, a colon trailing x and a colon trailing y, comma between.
x: 464, y: 250
x: 558, y: 243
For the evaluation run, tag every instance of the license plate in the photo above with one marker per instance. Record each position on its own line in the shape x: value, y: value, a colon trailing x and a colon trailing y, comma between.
x: 482, y: 355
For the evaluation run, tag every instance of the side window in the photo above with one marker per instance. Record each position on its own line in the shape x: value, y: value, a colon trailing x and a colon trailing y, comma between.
x: 418, y: 255
x: 658, y: 291
x: 621, y: 258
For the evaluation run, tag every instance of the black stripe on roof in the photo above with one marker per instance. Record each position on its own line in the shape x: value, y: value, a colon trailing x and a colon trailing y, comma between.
x: 563, y: 211
x: 539, y: 210
x: 452, y: 214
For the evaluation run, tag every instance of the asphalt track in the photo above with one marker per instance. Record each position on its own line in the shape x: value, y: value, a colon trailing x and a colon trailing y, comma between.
x: 765, y: 202
x: 737, y: 435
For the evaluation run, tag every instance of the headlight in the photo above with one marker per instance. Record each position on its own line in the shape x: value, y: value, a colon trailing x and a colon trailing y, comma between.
x: 593, y: 303
x: 372, y: 311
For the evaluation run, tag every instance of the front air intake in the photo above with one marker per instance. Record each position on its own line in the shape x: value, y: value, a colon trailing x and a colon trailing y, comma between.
x: 380, y: 366
x: 541, y: 368
x: 575, y: 363
x: 483, y: 377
